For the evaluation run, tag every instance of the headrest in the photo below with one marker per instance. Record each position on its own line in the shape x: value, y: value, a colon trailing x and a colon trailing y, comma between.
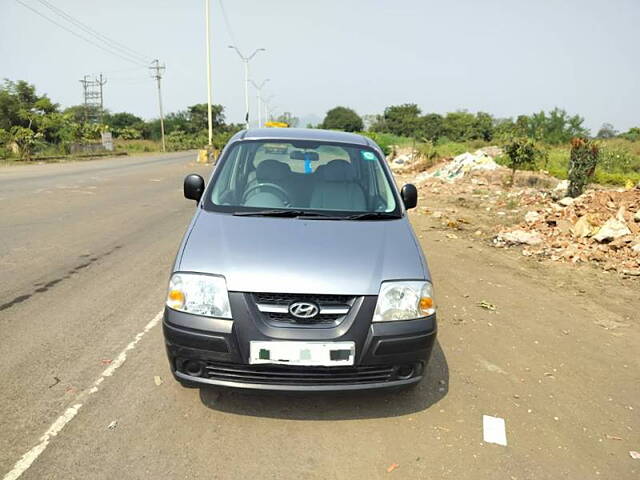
x: 338, y: 171
x: 272, y: 170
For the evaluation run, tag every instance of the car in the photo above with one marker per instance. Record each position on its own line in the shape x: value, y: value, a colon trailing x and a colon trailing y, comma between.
x: 300, y: 273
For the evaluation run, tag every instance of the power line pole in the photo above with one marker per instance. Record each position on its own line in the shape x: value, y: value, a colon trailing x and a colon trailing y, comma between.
x: 209, y: 113
x: 101, y: 83
x: 93, y: 98
x: 84, y: 83
x: 157, y: 71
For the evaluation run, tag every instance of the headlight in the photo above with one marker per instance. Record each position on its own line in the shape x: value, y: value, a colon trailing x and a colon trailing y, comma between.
x: 199, y: 294
x: 404, y: 301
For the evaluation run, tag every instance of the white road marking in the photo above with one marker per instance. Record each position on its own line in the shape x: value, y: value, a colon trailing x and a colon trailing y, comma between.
x: 494, y: 430
x: 56, y: 427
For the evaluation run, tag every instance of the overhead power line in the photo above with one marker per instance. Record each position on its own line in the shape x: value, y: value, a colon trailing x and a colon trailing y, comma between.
x: 227, y: 24
x: 76, y: 34
x: 94, y: 33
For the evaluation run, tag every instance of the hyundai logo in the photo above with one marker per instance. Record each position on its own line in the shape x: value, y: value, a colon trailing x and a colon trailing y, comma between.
x: 304, y: 309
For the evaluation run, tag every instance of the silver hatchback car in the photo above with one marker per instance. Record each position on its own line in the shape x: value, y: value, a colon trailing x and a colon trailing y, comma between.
x: 300, y: 270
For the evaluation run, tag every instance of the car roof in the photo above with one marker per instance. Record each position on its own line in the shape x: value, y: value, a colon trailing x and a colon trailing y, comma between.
x: 313, y: 134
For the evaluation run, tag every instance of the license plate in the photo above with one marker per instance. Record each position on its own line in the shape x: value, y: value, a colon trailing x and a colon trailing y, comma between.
x: 303, y: 353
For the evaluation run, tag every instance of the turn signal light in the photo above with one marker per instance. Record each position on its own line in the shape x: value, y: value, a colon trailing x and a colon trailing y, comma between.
x: 175, y: 299
x: 426, y: 305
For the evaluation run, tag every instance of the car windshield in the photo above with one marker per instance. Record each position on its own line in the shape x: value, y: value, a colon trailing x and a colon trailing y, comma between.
x: 335, y: 178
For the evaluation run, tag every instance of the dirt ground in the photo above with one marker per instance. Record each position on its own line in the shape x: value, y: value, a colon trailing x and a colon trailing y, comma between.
x: 551, y: 348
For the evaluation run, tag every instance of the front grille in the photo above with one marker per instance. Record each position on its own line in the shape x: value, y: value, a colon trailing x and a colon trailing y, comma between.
x: 274, y: 307
x: 287, y: 298
x: 286, y: 375
x: 288, y: 318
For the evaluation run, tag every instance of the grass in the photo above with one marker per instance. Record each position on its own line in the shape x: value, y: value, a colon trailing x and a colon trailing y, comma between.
x: 137, y: 146
x: 53, y: 154
x: 619, y: 162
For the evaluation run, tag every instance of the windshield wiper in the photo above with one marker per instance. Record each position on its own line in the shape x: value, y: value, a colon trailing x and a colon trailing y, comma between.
x: 279, y: 213
x: 373, y: 216
x: 270, y: 213
x: 316, y: 215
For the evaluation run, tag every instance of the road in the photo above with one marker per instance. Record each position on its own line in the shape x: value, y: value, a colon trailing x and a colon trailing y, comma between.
x: 85, y: 250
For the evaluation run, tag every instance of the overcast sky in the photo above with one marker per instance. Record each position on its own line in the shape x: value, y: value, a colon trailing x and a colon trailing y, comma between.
x: 503, y: 57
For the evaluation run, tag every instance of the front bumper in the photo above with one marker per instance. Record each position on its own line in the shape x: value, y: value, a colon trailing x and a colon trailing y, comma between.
x: 212, y: 351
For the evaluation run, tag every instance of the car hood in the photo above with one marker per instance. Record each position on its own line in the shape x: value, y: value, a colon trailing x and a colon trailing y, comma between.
x: 292, y: 255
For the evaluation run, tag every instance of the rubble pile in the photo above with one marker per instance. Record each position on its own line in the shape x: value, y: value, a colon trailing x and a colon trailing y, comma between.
x: 601, y: 226
x: 464, y: 163
x: 402, y: 158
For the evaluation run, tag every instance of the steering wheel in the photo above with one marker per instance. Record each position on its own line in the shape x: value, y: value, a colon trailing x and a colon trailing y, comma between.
x: 281, y: 192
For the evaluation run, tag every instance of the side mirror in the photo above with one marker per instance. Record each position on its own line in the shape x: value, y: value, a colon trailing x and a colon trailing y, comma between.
x: 193, y: 187
x: 409, y: 194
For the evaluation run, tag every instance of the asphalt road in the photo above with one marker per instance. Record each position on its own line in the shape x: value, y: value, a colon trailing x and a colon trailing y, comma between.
x: 85, y: 251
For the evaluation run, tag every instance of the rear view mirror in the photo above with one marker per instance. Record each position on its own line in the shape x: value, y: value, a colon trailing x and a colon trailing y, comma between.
x: 409, y: 195
x: 193, y: 187
x: 302, y: 155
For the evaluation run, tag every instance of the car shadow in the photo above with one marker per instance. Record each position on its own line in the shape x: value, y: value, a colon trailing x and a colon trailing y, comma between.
x: 336, y: 406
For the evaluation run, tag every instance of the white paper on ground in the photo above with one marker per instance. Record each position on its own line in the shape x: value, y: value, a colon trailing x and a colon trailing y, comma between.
x: 494, y: 430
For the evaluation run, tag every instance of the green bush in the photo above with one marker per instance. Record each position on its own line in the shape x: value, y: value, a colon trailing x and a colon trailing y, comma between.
x: 521, y: 153
x: 582, y: 164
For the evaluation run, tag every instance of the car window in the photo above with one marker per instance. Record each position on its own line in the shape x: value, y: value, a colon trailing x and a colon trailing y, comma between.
x: 312, y: 176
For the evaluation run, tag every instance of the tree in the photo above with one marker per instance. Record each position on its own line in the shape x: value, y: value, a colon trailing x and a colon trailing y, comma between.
x: 633, y: 134
x: 20, y: 105
x: 521, y: 153
x: 555, y: 127
x: 198, y: 117
x: 432, y: 126
x: 606, y: 131
x: 26, y: 140
x: 403, y: 120
x: 459, y: 126
x: 504, y: 129
x: 483, y: 127
x: 343, y: 118
x: 122, y: 120
x: 193, y: 120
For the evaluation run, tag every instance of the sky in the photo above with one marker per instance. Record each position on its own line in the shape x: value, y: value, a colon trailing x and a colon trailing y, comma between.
x: 504, y: 57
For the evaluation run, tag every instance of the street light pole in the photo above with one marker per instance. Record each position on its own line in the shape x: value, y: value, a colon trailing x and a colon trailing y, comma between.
x: 246, y: 79
x: 268, y: 106
x: 259, y: 89
x: 209, y: 113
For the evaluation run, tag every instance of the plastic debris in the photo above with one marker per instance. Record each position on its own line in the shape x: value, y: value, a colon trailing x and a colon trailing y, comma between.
x: 635, y: 455
x: 463, y: 164
x: 392, y: 467
x: 112, y: 425
x: 494, y: 430
x: 487, y: 305
x: 157, y: 380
